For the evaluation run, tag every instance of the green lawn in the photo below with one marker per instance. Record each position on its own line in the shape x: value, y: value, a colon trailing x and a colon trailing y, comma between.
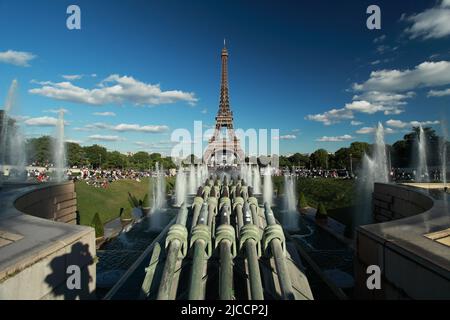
x: 107, y: 202
x: 333, y: 193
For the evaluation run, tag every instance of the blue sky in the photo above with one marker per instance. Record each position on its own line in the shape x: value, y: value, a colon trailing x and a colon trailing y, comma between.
x: 309, y: 68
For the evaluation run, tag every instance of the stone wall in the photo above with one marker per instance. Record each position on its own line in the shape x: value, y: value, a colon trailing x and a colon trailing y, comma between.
x: 391, y: 202
x: 53, y: 202
x: 42, y: 241
x: 412, y: 266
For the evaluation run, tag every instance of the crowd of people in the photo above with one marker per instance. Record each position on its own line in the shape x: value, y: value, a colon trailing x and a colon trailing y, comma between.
x: 321, y: 173
x: 401, y: 174
x: 102, y: 178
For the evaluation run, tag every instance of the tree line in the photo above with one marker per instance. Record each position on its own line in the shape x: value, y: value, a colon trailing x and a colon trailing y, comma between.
x: 39, y: 152
x: 401, y: 154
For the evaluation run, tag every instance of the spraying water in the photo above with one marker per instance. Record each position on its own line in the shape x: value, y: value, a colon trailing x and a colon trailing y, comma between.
x: 198, y: 173
x: 59, y: 149
x: 374, y: 169
x: 422, y: 167
x: 444, y: 152
x: 256, y: 180
x: 159, y: 189
x: 290, y: 219
x: 268, y: 188
x: 192, y: 178
x: 12, y: 143
x: 159, y: 197
x: 180, y: 187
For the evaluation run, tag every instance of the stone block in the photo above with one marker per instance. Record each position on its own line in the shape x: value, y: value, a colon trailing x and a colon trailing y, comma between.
x: 66, y: 204
x: 415, y: 279
x: 369, y: 251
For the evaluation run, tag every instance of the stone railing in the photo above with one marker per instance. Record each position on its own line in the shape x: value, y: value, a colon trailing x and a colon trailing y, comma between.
x: 53, y: 202
x: 392, y: 202
x: 412, y: 264
x: 41, y: 246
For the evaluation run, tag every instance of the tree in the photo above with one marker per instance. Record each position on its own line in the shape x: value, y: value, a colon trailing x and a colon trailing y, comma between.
x: 140, y: 160
x: 299, y: 160
x: 96, y: 155
x: 75, y: 154
x: 321, y: 212
x: 319, y: 158
x: 97, y: 224
x: 39, y: 150
x: 116, y: 159
x: 302, y: 203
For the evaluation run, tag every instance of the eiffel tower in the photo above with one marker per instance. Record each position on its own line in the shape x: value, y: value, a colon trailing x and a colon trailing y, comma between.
x: 222, y: 145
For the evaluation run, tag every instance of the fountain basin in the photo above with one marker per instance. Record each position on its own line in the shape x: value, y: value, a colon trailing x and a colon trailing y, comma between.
x: 413, y: 266
x: 36, y: 247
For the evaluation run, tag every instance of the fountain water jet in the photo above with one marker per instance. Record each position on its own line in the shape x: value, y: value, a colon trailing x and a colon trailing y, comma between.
x: 422, y: 167
x: 290, y: 216
x: 444, y: 153
x: 59, y: 149
x: 192, y: 178
x: 180, y: 187
x: 268, y: 188
x: 159, y: 197
x: 256, y: 180
x: 12, y: 142
x: 374, y: 169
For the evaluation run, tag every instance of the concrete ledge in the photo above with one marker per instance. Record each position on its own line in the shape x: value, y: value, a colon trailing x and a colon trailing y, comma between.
x: 35, y: 266
x: 412, y: 266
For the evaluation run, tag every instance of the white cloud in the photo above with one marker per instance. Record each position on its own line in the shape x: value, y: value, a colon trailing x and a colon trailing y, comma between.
x: 401, y: 124
x: 204, y: 111
x: 345, y: 137
x: 72, y: 77
x: 426, y: 74
x: 56, y: 110
x: 17, y: 58
x: 100, y: 137
x: 347, y: 113
x: 114, y: 89
x: 356, y: 123
x: 379, y: 39
x: 136, y: 127
x: 286, y: 137
x: 364, y: 107
x: 439, y: 93
x: 368, y: 130
x: 386, y: 99
x: 105, y: 114
x: 73, y: 141
x: 123, y: 127
x: 41, y: 121
x: 331, y: 117
x: 432, y: 23
x: 383, y: 48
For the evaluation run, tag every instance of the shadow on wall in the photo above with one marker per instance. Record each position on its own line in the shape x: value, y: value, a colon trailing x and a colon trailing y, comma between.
x: 70, y: 277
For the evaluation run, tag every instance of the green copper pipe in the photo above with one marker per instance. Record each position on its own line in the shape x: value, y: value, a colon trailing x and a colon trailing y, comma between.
x: 226, y: 258
x: 198, y: 264
x: 282, y: 271
x: 256, y: 289
x: 280, y: 258
x: 199, y: 257
x: 165, y: 286
x: 226, y: 271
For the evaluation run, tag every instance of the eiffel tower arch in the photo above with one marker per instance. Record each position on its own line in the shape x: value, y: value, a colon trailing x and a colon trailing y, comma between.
x: 224, y: 146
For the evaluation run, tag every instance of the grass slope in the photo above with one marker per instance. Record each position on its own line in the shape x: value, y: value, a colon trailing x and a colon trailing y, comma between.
x: 107, y: 202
